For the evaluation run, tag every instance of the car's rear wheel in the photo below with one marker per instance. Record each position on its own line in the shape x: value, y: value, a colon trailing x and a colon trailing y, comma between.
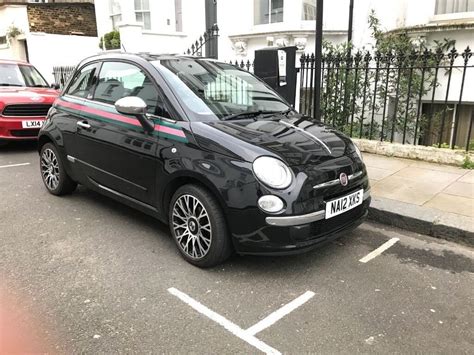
x: 54, y: 176
x: 198, y: 227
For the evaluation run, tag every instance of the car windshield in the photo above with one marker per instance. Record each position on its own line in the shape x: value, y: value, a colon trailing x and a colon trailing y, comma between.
x: 12, y: 74
x: 212, y: 90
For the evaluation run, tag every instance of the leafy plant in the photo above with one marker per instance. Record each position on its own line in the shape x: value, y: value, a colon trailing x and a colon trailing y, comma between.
x: 110, y: 40
x: 13, y: 32
x: 468, y: 163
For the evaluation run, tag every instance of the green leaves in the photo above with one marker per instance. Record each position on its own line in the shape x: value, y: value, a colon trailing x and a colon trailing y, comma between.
x: 110, y: 40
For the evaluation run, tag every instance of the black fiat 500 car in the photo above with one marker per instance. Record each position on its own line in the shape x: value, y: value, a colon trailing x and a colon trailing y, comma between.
x: 207, y: 148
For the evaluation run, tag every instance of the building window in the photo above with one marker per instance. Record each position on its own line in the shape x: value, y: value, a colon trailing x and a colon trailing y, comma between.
x: 309, y: 10
x: 453, y: 6
x: 3, y: 40
x: 142, y: 13
x: 268, y: 11
x: 115, y: 13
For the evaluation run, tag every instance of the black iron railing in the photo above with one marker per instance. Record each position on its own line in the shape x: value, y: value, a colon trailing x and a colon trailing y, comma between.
x: 415, y: 98
x: 208, y: 38
x: 243, y: 64
x: 61, y: 74
x: 424, y: 97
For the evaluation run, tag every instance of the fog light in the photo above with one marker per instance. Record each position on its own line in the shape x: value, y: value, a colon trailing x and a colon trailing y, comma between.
x: 270, y: 203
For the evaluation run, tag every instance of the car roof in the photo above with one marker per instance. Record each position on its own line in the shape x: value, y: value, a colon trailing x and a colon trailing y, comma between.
x: 13, y: 61
x: 144, y: 55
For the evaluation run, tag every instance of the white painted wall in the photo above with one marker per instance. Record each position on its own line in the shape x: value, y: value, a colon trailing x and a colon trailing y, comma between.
x: 463, y: 39
x: 48, y: 50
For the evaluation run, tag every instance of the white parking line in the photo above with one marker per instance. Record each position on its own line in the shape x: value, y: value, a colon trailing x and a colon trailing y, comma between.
x: 13, y: 165
x: 283, y: 311
x: 379, y: 250
x: 227, y: 324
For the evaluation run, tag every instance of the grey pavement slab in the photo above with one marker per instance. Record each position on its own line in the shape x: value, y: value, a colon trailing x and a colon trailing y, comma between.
x: 429, y: 198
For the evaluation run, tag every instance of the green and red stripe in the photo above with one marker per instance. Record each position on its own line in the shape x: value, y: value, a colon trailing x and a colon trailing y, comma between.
x: 108, y: 114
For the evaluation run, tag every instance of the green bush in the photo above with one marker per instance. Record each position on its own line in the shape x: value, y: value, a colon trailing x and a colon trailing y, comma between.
x: 110, y: 40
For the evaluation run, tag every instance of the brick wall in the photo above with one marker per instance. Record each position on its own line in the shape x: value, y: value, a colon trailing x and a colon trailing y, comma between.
x: 63, y: 19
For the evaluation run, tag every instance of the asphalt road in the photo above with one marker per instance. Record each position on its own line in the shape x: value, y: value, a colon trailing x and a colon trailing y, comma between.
x: 83, y: 274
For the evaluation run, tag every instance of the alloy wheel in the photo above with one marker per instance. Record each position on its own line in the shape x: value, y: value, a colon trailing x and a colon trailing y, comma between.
x: 50, y: 169
x: 192, y: 226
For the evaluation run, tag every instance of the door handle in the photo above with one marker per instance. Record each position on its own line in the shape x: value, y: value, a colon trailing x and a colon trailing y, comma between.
x: 84, y: 124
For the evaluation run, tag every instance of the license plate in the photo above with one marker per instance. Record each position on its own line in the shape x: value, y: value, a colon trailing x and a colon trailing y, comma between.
x: 344, y: 204
x: 32, y: 124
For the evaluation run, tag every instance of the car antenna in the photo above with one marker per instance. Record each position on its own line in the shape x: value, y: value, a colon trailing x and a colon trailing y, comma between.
x: 124, y: 48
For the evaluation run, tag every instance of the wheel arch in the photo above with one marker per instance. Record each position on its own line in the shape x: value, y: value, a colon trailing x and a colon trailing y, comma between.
x: 189, y: 178
x: 42, y: 140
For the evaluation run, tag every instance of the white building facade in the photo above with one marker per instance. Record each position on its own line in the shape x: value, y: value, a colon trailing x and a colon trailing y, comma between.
x: 159, y: 26
x: 247, y: 25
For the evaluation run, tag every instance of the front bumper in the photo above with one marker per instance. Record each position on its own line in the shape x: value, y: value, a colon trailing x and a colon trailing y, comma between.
x: 299, y: 233
x: 11, y: 128
x: 288, y: 221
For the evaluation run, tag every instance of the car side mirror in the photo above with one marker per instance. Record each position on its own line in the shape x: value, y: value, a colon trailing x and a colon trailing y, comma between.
x: 135, y: 106
x: 55, y: 86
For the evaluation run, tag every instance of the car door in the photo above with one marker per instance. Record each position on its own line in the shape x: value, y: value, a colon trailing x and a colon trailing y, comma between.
x: 68, y: 107
x: 114, y: 151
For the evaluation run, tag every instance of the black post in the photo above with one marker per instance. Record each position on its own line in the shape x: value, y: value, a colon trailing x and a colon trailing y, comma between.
x: 351, y: 16
x: 318, y: 58
x: 211, y: 25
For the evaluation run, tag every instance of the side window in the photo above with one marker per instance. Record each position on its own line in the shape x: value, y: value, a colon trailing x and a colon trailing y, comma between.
x: 117, y: 80
x: 82, y: 81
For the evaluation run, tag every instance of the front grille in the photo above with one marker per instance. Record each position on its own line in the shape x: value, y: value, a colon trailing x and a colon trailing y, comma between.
x: 35, y: 110
x: 25, y: 132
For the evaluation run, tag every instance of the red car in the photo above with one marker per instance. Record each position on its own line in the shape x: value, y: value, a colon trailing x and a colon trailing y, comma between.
x: 25, y: 98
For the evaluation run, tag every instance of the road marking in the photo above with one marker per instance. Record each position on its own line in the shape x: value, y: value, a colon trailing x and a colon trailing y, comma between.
x: 13, y: 165
x: 283, y: 311
x: 379, y: 250
x: 227, y: 324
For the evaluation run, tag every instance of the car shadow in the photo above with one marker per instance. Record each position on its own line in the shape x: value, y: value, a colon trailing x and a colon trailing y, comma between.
x: 120, y: 209
x: 286, y: 265
x: 19, y: 147
x: 258, y: 265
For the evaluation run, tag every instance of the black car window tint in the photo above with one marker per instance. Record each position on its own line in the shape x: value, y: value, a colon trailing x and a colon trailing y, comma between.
x: 118, y: 79
x: 82, y: 82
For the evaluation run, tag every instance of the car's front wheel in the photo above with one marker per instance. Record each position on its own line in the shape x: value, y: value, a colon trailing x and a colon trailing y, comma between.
x: 54, y: 176
x: 198, y: 227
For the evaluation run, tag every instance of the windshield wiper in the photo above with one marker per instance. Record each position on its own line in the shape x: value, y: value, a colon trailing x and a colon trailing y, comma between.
x: 253, y: 114
x: 284, y: 112
x: 246, y: 114
x: 8, y: 84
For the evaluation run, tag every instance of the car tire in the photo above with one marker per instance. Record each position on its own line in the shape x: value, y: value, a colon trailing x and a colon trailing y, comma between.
x: 198, y: 227
x: 3, y: 143
x: 53, y: 174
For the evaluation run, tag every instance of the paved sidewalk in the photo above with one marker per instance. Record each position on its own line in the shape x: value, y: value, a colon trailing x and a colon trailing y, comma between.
x: 421, y: 191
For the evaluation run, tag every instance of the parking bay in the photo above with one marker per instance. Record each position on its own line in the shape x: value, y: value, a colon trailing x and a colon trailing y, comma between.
x: 97, y: 274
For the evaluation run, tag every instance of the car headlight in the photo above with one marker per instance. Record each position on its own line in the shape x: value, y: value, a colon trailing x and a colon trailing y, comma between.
x: 272, y: 172
x: 357, y: 150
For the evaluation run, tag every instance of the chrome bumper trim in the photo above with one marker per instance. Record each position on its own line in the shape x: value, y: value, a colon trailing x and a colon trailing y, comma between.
x: 287, y: 221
